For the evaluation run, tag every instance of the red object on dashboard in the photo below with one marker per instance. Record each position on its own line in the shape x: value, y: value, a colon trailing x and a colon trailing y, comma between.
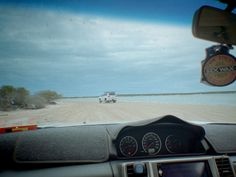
x: 18, y: 128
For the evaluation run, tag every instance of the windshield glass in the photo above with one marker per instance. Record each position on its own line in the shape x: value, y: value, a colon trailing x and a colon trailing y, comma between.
x: 96, y: 62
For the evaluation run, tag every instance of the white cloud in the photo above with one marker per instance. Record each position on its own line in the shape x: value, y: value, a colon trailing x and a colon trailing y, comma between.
x: 43, y: 44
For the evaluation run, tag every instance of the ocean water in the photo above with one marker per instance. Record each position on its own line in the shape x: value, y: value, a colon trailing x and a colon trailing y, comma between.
x: 206, y: 99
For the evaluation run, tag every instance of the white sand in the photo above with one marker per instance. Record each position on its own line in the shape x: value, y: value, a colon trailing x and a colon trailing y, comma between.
x: 68, y: 112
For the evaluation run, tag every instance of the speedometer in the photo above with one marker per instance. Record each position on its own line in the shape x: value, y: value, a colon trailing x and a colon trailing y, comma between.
x: 151, y: 143
x: 128, y: 146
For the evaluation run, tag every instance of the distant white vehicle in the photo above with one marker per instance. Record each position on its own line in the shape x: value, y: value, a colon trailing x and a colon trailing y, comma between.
x: 108, y: 97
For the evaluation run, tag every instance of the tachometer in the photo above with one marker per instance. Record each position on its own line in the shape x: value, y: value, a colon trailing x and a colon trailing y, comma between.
x: 128, y: 146
x: 173, y: 144
x: 151, y: 143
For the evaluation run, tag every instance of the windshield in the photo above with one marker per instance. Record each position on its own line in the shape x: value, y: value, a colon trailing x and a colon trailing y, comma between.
x: 97, y: 62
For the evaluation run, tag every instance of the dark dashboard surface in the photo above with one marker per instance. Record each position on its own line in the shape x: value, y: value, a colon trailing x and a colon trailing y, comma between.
x: 94, y: 150
x: 166, y: 136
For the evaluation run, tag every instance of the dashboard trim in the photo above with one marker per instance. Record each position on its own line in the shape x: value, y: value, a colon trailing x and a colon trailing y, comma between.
x: 152, y: 164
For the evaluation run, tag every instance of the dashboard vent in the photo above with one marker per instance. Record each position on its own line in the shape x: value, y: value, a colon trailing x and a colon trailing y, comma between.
x: 224, y: 167
x: 130, y: 170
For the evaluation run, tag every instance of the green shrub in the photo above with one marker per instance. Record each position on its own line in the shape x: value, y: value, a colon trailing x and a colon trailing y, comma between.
x: 13, y: 98
x: 7, y: 97
x: 35, y: 102
x: 49, y: 95
x: 21, y: 95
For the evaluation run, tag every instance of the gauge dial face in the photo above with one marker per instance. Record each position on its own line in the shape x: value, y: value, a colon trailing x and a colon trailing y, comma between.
x: 173, y: 144
x: 151, y: 143
x: 128, y: 146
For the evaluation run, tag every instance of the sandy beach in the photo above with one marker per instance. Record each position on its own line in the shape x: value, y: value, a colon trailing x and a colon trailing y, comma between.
x: 70, y: 111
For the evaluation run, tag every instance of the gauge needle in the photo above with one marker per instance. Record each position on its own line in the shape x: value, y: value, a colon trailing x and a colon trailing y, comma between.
x: 148, y: 146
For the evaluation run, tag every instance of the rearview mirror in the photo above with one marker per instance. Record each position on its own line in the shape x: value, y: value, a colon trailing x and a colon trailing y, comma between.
x: 215, y: 25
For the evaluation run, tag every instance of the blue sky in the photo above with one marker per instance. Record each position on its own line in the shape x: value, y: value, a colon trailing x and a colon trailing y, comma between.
x: 87, y: 47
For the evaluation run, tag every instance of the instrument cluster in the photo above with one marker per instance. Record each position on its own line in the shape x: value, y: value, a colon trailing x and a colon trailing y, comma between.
x: 155, y: 141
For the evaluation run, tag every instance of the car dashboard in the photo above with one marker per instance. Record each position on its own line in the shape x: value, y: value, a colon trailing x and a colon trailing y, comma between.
x: 161, y: 147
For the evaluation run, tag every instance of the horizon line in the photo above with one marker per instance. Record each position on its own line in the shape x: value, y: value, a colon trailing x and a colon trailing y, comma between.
x: 157, y: 94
